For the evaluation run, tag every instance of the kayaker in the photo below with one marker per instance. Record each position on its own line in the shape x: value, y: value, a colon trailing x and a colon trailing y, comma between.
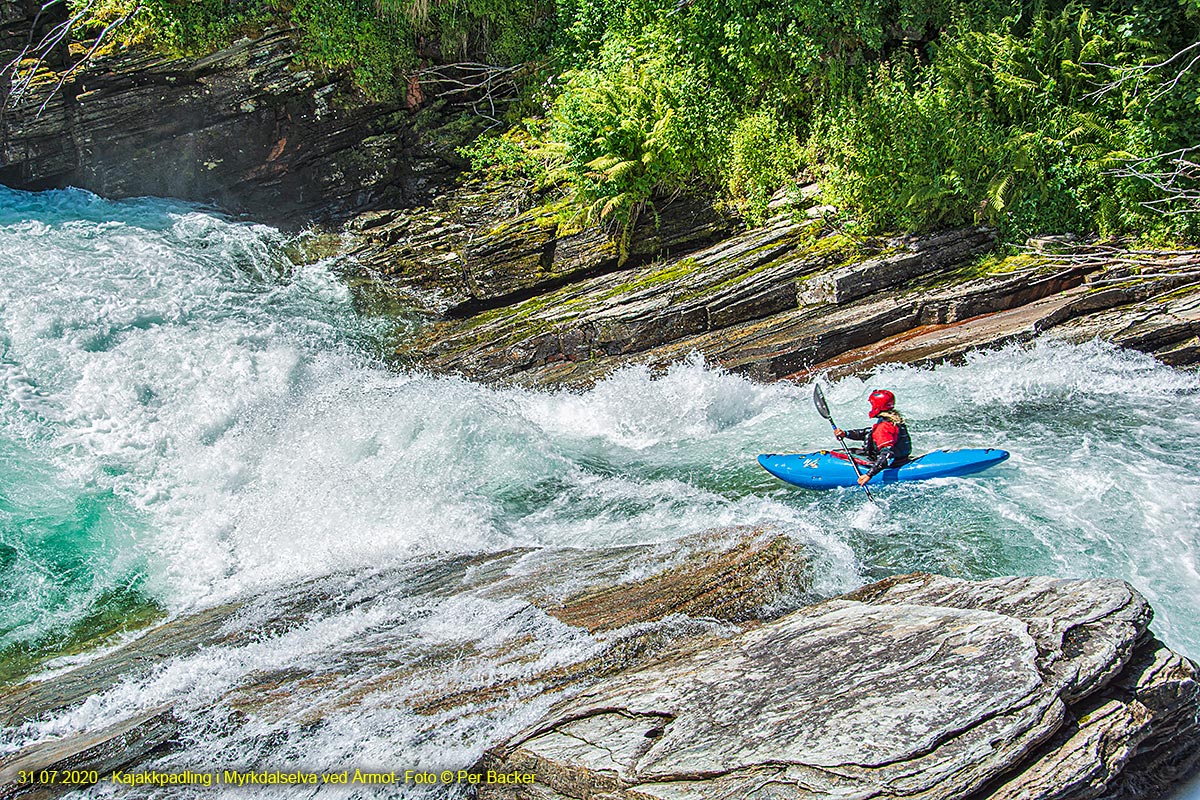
x: 886, y: 443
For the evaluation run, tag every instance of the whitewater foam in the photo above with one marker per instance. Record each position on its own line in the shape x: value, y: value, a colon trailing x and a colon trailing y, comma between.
x: 181, y: 364
x: 188, y: 416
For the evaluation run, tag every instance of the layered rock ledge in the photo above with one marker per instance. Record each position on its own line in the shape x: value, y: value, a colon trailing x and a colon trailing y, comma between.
x: 614, y: 607
x: 917, y: 687
x: 514, y: 300
x: 694, y: 670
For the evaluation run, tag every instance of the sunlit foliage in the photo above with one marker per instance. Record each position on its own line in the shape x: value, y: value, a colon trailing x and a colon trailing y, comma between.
x: 912, y: 116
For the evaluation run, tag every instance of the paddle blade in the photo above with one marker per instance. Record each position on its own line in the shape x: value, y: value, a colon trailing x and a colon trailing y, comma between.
x: 819, y: 401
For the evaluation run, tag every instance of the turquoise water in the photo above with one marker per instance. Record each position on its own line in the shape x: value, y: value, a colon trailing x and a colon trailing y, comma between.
x: 187, y: 416
x: 131, y: 333
x: 54, y: 532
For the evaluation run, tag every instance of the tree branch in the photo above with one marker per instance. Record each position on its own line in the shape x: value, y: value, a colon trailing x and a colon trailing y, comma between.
x: 1175, y: 175
x: 1136, y: 75
x: 486, y: 83
x: 23, y: 75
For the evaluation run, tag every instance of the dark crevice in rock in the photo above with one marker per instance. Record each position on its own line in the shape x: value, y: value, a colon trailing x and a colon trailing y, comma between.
x: 471, y: 308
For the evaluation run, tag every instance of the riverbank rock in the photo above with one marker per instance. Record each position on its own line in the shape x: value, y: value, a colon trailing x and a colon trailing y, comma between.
x: 485, y: 248
x: 499, y: 281
x: 919, y: 686
x: 689, y: 669
x: 568, y: 619
x: 245, y: 128
x: 795, y: 297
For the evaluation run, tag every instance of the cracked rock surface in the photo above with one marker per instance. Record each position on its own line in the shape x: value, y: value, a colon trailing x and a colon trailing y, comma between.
x: 918, y: 686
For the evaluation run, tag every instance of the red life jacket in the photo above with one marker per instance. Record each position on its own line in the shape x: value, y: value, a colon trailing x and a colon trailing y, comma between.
x: 886, y: 433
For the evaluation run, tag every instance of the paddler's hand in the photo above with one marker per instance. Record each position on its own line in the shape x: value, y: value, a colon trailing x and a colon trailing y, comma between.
x: 862, y: 479
x: 839, y: 433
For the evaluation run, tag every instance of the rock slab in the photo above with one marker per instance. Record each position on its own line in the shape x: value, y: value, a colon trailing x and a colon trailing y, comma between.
x: 246, y: 128
x: 920, y: 686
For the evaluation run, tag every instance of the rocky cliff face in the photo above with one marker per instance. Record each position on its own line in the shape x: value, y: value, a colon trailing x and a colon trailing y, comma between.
x: 245, y: 128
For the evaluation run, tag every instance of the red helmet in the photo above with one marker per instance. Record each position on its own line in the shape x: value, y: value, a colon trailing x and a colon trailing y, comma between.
x: 881, y: 400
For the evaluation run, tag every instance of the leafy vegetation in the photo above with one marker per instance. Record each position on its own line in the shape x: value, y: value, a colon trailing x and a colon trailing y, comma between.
x: 912, y: 116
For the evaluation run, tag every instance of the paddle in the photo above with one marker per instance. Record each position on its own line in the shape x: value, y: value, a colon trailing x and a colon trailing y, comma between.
x: 823, y: 410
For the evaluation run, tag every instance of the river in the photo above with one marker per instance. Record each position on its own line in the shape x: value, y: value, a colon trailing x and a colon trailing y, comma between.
x: 187, y: 416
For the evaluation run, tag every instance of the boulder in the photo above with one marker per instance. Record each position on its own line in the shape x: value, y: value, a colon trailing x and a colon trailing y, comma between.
x: 919, y: 686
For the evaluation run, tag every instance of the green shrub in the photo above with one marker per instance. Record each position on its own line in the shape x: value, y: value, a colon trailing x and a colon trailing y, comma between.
x: 916, y: 115
x: 764, y: 155
x: 999, y: 128
x: 643, y: 122
x: 513, y: 155
x: 907, y: 154
x: 190, y: 28
x: 351, y: 34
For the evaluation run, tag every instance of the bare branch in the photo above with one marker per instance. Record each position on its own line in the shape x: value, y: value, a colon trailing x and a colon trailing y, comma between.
x: 23, y: 74
x: 485, y: 84
x: 1136, y: 75
x: 39, y: 52
x: 1175, y: 175
x: 1167, y: 86
x: 100, y: 40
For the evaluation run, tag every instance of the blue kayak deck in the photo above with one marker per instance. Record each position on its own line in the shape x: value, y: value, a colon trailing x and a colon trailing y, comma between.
x: 824, y: 470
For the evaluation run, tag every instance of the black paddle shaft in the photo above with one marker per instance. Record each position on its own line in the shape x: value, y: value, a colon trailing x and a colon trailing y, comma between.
x: 823, y: 410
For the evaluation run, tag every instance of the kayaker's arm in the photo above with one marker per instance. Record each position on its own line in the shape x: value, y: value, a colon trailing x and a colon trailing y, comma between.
x: 881, y: 462
x: 859, y: 434
x: 884, y: 437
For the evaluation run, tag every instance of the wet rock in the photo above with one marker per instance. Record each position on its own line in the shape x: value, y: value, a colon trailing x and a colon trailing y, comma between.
x: 713, y: 577
x: 740, y: 302
x: 105, y: 751
x: 1148, y: 309
x: 919, y: 686
x: 1136, y: 739
x: 871, y: 276
x: 623, y: 604
x: 624, y: 313
x: 1085, y: 631
x: 34, y: 699
x: 1165, y: 323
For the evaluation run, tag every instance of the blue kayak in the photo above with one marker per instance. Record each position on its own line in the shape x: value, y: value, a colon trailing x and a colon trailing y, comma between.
x: 824, y: 470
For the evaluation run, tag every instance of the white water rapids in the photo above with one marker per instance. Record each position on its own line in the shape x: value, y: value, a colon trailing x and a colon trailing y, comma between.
x: 186, y: 414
